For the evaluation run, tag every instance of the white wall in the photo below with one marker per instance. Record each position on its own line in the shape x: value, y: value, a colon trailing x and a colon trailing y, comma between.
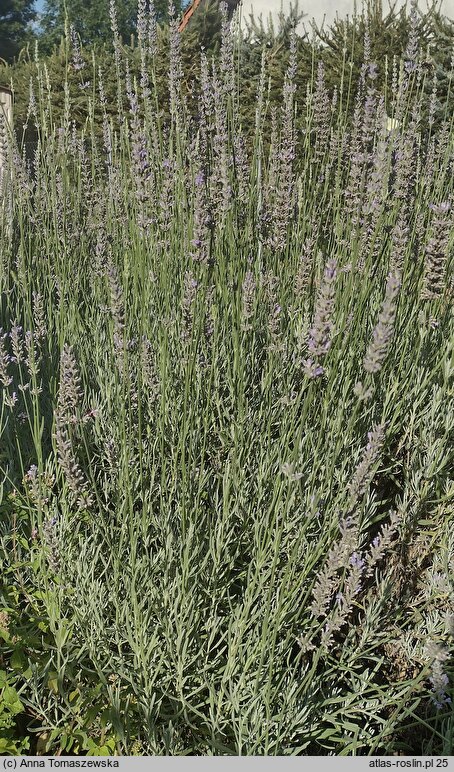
x: 318, y: 8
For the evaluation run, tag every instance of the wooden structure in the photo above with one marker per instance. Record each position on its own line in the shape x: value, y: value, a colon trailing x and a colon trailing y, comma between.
x: 192, y: 7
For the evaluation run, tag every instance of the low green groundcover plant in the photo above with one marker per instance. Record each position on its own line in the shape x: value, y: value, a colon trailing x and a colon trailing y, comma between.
x: 227, y: 413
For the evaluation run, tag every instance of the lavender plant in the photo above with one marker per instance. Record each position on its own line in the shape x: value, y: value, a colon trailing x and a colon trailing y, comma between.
x: 207, y: 554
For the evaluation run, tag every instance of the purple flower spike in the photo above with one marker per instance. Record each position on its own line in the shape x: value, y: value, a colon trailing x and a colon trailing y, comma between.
x: 320, y: 335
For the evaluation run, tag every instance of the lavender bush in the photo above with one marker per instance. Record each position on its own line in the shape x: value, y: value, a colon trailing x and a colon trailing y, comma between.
x: 227, y: 415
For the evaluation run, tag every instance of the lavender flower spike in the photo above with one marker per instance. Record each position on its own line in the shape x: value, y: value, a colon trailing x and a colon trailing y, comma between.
x: 364, y: 470
x: 320, y: 336
x: 5, y: 378
x: 439, y: 678
x: 70, y: 390
x: 383, y: 332
x: 436, y: 252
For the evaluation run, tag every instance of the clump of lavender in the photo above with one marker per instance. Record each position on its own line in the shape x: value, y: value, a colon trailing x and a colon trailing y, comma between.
x: 439, y: 679
x: 364, y: 471
x: 383, y: 332
x: 436, y: 252
x: 321, y: 333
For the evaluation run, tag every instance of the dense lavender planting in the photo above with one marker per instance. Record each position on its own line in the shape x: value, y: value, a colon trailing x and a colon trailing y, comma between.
x: 226, y: 419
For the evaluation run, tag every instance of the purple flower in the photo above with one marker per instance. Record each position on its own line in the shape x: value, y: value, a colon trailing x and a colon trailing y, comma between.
x: 412, y: 50
x: 5, y: 359
x: 70, y: 390
x: 311, y: 369
x: 439, y: 678
x: 69, y: 464
x: 322, y: 114
x: 141, y: 21
x: 175, y: 67
x: 16, y: 343
x: 320, y: 335
x: 77, y: 61
x: 436, y: 251
x: 356, y: 561
x: 152, y: 29
x: 373, y: 71
x: 383, y: 332
x: 364, y: 471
